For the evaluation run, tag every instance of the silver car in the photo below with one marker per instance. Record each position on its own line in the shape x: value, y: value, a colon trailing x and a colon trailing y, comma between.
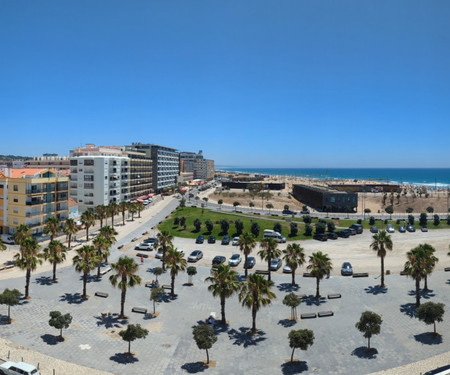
x: 234, y: 260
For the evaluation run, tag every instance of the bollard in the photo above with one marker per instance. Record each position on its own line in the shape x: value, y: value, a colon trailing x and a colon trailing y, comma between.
x: 53, y: 371
x: 38, y: 366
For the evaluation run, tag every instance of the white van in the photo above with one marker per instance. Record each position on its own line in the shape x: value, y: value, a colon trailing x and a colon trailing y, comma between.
x: 8, y: 239
x: 275, y: 235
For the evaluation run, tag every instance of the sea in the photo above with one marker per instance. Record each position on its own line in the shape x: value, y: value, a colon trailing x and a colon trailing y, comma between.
x: 433, y: 178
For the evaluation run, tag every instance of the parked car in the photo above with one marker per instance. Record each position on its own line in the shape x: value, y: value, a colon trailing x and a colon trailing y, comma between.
x: 235, y: 260
x: 287, y: 269
x: 351, y: 231
x: 8, y: 239
x: 181, y: 251
x: 332, y: 236
x: 200, y: 239
x: 275, y: 264
x: 152, y: 240
x: 235, y: 241
x: 390, y: 228
x: 410, y: 228
x: 424, y: 229
x: 218, y: 259
x: 288, y: 212
x: 144, y: 246
x: 225, y: 240
x: 18, y: 368
x: 320, y: 237
x: 159, y: 254
x: 195, y: 256
x: 373, y: 229
x: 250, y: 263
x: 211, y: 239
x: 346, y: 269
x: 304, y: 212
x: 358, y: 227
x: 343, y: 233
x: 401, y: 229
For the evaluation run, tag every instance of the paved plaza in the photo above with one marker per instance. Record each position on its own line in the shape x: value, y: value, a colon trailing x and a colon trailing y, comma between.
x: 93, y: 341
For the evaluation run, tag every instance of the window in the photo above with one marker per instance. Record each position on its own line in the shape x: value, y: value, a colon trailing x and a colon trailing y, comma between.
x: 16, y: 188
x: 73, y: 162
x: 16, y: 199
x: 15, y: 222
x: 16, y: 210
x: 89, y: 162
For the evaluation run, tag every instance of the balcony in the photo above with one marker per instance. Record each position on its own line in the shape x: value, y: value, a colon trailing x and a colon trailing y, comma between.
x: 34, y: 202
x: 33, y: 191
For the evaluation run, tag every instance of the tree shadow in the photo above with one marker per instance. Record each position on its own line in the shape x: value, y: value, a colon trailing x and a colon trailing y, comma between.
x: 108, y: 320
x: 4, y: 320
x: 194, y: 367
x: 124, y: 358
x: 377, y: 289
x: 245, y: 338
x: 167, y: 298
x: 287, y: 322
x: 72, y: 298
x: 429, y: 338
x: 425, y: 294
x: 364, y: 352
x: 310, y: 301
x: 44, y: 280
x: 51, y: 339
x: 409, y: 309
x: 296, y: 367
x: 287, y: 287
x: 91, y: 278
x: 150, y: 316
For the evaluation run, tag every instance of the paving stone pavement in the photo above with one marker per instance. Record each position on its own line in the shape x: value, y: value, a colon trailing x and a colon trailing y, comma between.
x: 92, y: 340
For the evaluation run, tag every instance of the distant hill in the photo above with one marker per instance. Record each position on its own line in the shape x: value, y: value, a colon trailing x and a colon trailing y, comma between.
x: 13, y: 157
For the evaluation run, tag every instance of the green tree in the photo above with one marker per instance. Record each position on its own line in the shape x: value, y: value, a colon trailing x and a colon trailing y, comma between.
x: 251, y: 205
x: 123, y: 208
x: 268, y: 252
x: 294, y: 257
x: 409, y: 210
x: 247, y: 243
x: 320, y: 228
x: 331, y: 227
x: 235, y: 204
x: 55, y: 253
x: 254, y: 294
x: 269, y: 206
x: 209, y: 225
x: 113, y: 210
x: 369, y: 324
x: 132, y: 209
x: 165, y: 242
x: 101, y: 212
x: 430, y: 209
x: 371, y: 220
x: 28, y: 260
x: 10, y: 298
x: 132, y: 333
x: 52, y: 227
x: 109, y: 233
x: 423, y: 219
x: 197, y: 224
x: 140, y: 207
x: 436, y: 220
x: 175, y: 263
x: 126, y: 276
x: 381, y: 242
x: 415, y: 267
x: 21, y: 234
x: 204, y: 337
x: 183, y: 222
x: 191, y: 271
x: 389, y: 210
x: 277, y: 227
x: 59, y: 321
x: 220, y: 202
x: 301, y: 339
x: 224, y: 284
x: 157, y: 271
x: 224, y: 226
x: 411, y: 219
x: 308, y: 230
x: 88, y: 220
x: 293, y: 301
x: 293, y: 229
x: 319, y: 266
x: 430, y: 313
x: 70, y: 228
x: 307, y: 219
x: 239, y: 225
x: 255, y: 229
x: 155, y: 295
x: 84, y: 262
x: 430, y: 262
x: 101, y: 245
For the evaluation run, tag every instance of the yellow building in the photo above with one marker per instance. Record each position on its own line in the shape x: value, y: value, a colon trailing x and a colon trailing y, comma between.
x: 30, y: 196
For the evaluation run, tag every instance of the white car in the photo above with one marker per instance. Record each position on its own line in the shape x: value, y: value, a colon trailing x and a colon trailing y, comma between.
x: 287, y: 269
x: 18, y: 368
x: 181, y: 251
x: 159, y: 254
x: 144, y: 246
x: 390, y: 228
x: 234, y: 260
x: 235, y: 241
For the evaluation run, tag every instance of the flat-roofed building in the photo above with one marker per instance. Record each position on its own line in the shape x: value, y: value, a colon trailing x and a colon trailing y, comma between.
x: 195, y: 163
x: 48, y: 161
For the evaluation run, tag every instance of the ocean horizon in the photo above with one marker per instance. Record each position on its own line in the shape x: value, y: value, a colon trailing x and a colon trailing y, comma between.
x: 430, y: 177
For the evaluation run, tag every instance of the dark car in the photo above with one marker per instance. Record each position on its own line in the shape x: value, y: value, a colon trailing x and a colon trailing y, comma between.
x: 410, y: 228
x: 218, y: 259
x: 225, y: 240
x: 373, y: 230
x: 343, y: 233
x: 195, y: 255
x: 304, y: 212
x: 211, y: 239
x: 275, y: 264
x: 332, y: 236
x: 200, y: 239
x: 401, y: 229
x: 250, y: 263
x: 320, y: 237
x: 288, y: 212
x: 351, y: 231
x: 346, y: 269
x: 424, y: 229
x: 152, y: 240
x: 358, y: 227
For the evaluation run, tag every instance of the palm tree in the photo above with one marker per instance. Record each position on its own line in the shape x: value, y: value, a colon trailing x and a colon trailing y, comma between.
x: 247, y: 243
x: 113, y: 209
x: 430, y: 262
x: 176, y: 263
x: 88, y: 220
x: 28, y: 259
x: 269, y: 251
x: 415, y: 267
x: 254, y: 294
x: 109, y: 233
x: 101, y: 211
x: 132, y: 209
x: 319, y: 266
x: 294, y: 256
x: 21, y: 234
x: 140, y: 207
x: 165, y: 241
x: 70, y: 228
x: 224, y: 283
x: 101, y: 245
x: 52, y: 227
x: 126, y: 269
x: 85, y: 261
x: 123, y: 207
x: 381, y: 242
x: 55, y: 253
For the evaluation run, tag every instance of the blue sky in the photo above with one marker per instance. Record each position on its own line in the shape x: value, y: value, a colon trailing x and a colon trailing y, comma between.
x: 292, y: 83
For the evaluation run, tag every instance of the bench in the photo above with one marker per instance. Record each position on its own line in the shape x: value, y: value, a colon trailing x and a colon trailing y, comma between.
x: 334, y: 296
x: 308, y: 316
x: 105, y: 271
x: 403, y: 273
x: 119, y: 247
x: 447, y: 269
x: 166, y: 286
x: 262, y: 272
x: 134, y: 239
x: 102, y: 294
x: 140, y: 310
x: 361, y: 274
x: 323, y: 314
x: 256, y: 213
x: 146, y: 232
x: 142, y: 255
x: 307, y: 274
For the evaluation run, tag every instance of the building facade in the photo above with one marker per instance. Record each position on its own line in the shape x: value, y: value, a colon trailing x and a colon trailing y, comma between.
x: 140, y: 172
x: 201, y: 168
x: 30, y: 196
x: 48, y: 161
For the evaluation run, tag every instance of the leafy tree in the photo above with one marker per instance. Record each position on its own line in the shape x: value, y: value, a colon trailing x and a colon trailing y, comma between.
x: 205, y: 199
x: 277, y: 227
x: 176, y: 221
x: 224, y: 226
x: 423, y: 219
x: 436, y: 220
x: 390, y: 210
x: 371, y: 220
x: 430, y: 209
x: 10, y: 298
x: 204, y: 337
x: 409, y: 210
x: 268, y: 252
x: 59, y: 321
x: 369, y: 324
x: 113, y: 210
x: 21, y: 234
x: 55, y: 253
x: 183, y: 222
x: 84, y: 262
x: 70, y: 228
x: 176, y: 263
x: 308, y: 230
x: 430, y: 262
x: 108, y: 233
x: 52, y: 227
x: 255, y: 229
x: 197, y: 224
x: 28, y: 260
x: 294, y: 257
x: 307, y: 219
x: 415, y: 267
x: 286, y: 207
x: 251, y: 205
x: 331, y: 227
x: 247, y: 243
x: 132, y: 333
x: 319, y: 266
x: 239, y: 225
x: 209, y: 225
x: 292, y: 300
x: 411, y: 219
x: 88, y: 220
x: 235, y: 204
x: 320, y: 228
x: 293, y: 229
x: 126, y: 276
x: 254, y: 294
x: 101, y: 212
x: 101, y: 245
x: 182, y: 202
x: 448, y: 219
x: 155, y: 295
x: 224, y: 284
x: 381, y: 242
x: 191, y: 271
x: 430, y: 313
x: 157, y: 271
x: 165, y: 242
x: 220, y: 202
x: 269, y: 206
x: 123, y: 208
x: 302, y: 339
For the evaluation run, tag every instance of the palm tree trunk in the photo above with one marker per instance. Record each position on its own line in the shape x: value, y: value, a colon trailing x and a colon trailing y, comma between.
x: 245, y: 262
x: 382, y: 272
x: 425, y: 287
x: 122, y: 303
x: 268, y: 268
x: 222, y: 308
x: 368, y: 342
x: 292, y: 355
x: 434, y: 328
x: 154, y: 307
x: 84, y: 284
x: 70, y: 239
x: 9, y: 316
x: 317, y: 287
x: 417, y: 292
x: 123, y: 217
x: 54, y: 271
x: 87, y: 234
x: 253, y: 319
x: 129, y: 347
x: 27, y: 283
x: 112, y: 221
x: 98, y: 270
x: 172, y: 286
x: 293, y: 278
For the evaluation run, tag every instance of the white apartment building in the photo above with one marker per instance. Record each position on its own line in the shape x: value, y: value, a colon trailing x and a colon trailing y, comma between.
x: 99, y: 180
